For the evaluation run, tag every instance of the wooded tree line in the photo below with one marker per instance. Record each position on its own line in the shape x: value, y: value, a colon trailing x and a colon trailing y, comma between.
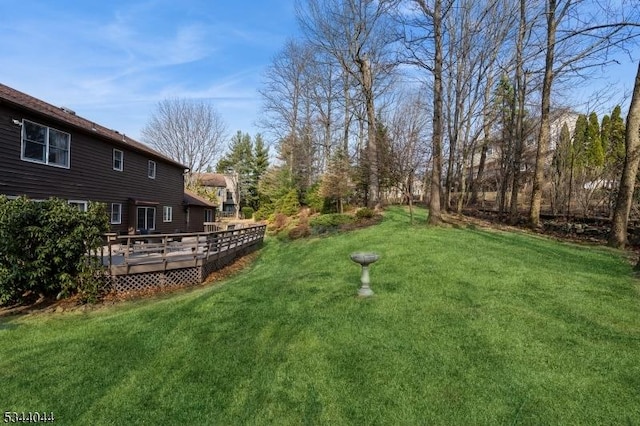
x: 395, y: 99
x: 441, y: 100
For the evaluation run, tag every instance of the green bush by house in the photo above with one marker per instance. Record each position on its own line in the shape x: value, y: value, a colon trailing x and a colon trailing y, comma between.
x: 44, y: 246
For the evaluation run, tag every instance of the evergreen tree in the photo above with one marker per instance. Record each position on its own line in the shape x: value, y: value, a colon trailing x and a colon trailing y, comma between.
x: 336, y: 184
x: 605, y: 136
x: 562, y: 169
x: 259, y: 167
x: 580, y: 141
x: 239, y: 157
x: 616, y: 146
x: 238, y: 162
x: 595, y: 153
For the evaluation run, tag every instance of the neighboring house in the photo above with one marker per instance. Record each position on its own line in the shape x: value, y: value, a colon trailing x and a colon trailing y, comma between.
x: 48, y: 151
x: 223, y: 186
x: 492, y: 163
x: 198, y: 211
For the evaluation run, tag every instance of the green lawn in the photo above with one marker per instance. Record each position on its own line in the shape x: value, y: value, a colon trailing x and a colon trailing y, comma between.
x: 467, y: 327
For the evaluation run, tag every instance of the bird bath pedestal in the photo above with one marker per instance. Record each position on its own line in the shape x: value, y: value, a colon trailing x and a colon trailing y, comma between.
x: 364, y: 259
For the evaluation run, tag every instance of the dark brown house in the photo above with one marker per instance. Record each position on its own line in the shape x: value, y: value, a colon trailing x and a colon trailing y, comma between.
x: 198, y: 211
x: 48, y: 151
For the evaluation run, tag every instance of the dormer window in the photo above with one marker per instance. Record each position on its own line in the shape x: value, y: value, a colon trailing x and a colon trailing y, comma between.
x: 118, y: 160
x: 151, y: 170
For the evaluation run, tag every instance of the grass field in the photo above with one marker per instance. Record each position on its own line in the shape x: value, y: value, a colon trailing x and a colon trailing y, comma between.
x: 467, y: 327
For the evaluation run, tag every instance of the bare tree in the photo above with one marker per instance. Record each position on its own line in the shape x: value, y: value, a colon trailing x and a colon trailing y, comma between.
x: 424, y: 28
x: 618, y: 235
x: 579, y: 35
x: 408, y: 136
x: 476, y: 39
x: 357, y: 34
x: 188, y: 131
x: 290, y: 105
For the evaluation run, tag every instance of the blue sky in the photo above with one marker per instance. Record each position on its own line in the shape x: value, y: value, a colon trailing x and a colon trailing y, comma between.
x: 113, y: 61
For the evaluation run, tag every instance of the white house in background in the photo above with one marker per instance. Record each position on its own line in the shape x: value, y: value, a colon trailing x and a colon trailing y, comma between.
x: 492, y: 163
x: 224, y: 187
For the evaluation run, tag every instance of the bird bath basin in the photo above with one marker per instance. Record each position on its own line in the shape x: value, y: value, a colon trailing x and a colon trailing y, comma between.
x: 364, y: 259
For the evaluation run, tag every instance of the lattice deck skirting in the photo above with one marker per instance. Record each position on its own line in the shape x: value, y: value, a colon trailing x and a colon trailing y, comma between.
x: 176, y: 277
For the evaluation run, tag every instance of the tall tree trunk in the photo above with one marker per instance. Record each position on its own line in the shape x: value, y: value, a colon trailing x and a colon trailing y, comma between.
x: 347, y: 114
x: 618, y: 235
x: 435, y: 215
x: 486, y: 131
x: 545, y: 118
x: 521, y: 92
x: 372, y: 146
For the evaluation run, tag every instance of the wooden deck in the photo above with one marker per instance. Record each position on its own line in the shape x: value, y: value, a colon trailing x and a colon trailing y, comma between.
x: 193, y: 254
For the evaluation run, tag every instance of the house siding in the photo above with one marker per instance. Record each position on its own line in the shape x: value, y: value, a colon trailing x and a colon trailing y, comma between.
x: 90, y: 176
x: 196, y: 219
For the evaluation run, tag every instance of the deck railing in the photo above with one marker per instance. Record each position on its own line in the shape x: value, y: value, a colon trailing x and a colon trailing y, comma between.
x: 127, y: 250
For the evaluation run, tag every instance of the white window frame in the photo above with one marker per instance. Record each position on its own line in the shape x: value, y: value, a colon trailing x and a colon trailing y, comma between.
x: 151, y: 169
x: 120, y: 160
x: 116, y: 207
x: 47, y: 147
x: 167, y: 214
x: 146, y: 208
x: 208, y: 212
x: 82, y: 205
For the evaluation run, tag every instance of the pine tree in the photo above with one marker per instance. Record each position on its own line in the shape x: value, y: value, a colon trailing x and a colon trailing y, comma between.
x: 605, y: 136
x: 238, y: 162
x: 336, y: 184
x: 580, y: 141
x: 259, y: 167
x: 595, y: 153
x: 562, y: 169
x: 616, y: 148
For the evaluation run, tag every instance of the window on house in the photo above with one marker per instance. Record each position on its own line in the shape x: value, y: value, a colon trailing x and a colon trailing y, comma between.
x: 151, y: 170
x: 79, y: 204
x: 208, y: 215
x: 167, y: 214
x: 118, y: 160
x: 146, y: 218
x: 489, y: 151
x: 116, y: 213
x: 42, y: 144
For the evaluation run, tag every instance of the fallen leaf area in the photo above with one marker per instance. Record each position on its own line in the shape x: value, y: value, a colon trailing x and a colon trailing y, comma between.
x: 34, y: 303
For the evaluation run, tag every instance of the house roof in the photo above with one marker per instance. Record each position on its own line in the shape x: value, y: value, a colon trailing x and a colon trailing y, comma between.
x: 191, y: 199
x: 69, y: 117
x: 216, y: 180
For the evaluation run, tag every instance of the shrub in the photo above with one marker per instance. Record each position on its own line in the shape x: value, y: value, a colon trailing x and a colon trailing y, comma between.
x: 300, y: 231
x: 364, y: 213
x: 288, y: 204
x: 263, y: 212
x: 313, y: 199
x: 280, y: 221
x: 44, y: 248
x: 247, y: 212
x: 329, y: 222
